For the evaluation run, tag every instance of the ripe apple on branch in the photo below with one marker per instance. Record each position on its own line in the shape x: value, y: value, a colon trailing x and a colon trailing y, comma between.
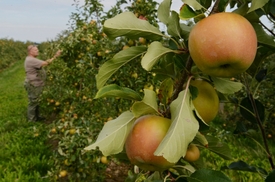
x: 199, y: 59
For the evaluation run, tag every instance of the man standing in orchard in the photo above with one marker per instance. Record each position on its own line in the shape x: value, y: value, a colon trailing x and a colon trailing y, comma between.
x: 35, y: 80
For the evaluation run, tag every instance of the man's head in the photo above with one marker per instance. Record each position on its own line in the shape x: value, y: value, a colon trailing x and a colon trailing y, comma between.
x: 33, y: 50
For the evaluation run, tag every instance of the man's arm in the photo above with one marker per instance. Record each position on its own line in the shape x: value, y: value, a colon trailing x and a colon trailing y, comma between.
x: 47, y: 62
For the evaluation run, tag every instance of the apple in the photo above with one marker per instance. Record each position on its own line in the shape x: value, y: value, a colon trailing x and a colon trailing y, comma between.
x: 63, y: 173
x: 104, y: 160
x: 192, y: 153
x: 125, y: 47
x: 131, y: 42
x: 107, y: 51
x: 66, y: 162
x: 94, y: 41
x: 144, y: 138
x: 53, y: 130
x: 134, y: 75
x: 93, y: 22
x: 72, y: 131
x: 142, y: 40
x: 207, y: 100
x: 142, y: 17
x: 223, y: 44
x: 99, y: 54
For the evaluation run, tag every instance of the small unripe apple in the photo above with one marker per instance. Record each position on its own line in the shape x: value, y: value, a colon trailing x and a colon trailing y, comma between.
x: 99, y: 54
x: 207, y: 100
x: 104, y: 160
x: 192, y: 153
x: 134, y: 75
x: 223, y: 44
x: 94, y: 41
x: 53, y: 130
x: 72, y: 131
x: 93, y: 22
x: 143, y: 140
x: 131, y: 42
x: 63, y: 173
x: 125, y: 47
x: 142, y: 40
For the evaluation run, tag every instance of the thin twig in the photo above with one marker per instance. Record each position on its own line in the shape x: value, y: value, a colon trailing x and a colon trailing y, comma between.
x: 215, y: 8
x: 259, y: 122
x: 180, y: 84
x: 265, y: 27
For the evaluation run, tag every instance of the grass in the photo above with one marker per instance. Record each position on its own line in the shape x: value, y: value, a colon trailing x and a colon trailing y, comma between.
x: 24, y: 156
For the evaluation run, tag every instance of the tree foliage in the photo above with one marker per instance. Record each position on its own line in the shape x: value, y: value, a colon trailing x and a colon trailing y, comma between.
x: 119, y: 65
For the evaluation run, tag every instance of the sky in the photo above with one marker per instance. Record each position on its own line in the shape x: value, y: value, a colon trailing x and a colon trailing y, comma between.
x: 39, y: 20
x: 42, y: 20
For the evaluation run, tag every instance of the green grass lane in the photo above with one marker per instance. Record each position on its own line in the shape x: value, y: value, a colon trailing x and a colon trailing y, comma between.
x: 13, y: 100
x: 24, y: 154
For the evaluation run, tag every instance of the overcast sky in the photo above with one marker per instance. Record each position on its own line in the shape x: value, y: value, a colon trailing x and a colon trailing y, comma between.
x: 41, y: 20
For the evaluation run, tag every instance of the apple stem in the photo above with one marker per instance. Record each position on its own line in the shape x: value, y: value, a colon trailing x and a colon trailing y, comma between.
x: 259, y: 122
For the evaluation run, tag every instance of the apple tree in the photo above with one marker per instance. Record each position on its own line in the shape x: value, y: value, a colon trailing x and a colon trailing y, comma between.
x: 230, y: 54
x: 68, y: 97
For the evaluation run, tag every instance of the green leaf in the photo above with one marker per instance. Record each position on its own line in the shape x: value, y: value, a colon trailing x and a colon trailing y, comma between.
x: 226, y: 86
x: 242, y: 166
x: 166, y: 67
x: 186, y: 12
x: 164, y: 11
x: 271, y: 176
x: 247, y: 109
x: 256, y: 4
x: 208, y: 175
x: 173, y: 27
x: 222, y: 5
x: 271, y: 7
x: 201, y: 139
x: 127, y: 24
x: 185, y: 30
x: 112, y: 137
x: 166, y: 90
x: 218, y: 147
x: 262, y: 53
x: 242, y: 10
x: 155, y: 51
x: 262, y: 36
x: 182, y: 131
x: 155, y: 177
x: 194, y: 4
x: 148, y: 105
x: 120, y: 59
x: 114, y: 90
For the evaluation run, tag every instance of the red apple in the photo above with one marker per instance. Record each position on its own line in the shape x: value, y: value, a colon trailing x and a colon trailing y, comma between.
x: 223, y: 44
x: 143, y: 140
x: 142, y: 17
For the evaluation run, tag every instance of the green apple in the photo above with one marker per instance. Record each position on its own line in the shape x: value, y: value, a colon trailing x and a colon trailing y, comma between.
x: 206, y: 101
x: 144, y: 138
x: 223, y: 44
